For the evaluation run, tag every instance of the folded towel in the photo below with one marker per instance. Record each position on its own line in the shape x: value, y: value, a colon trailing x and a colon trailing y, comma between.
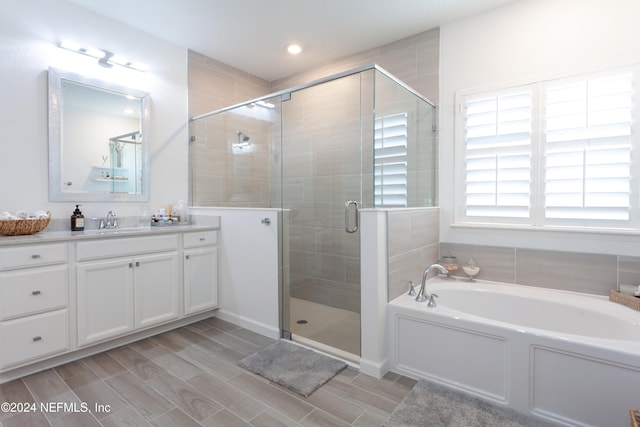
x: 7, y: 215
x: 40, y: 214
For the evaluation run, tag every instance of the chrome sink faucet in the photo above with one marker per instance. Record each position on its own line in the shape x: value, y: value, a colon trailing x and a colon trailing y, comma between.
x: 111, y: 221
x: 421, y: 297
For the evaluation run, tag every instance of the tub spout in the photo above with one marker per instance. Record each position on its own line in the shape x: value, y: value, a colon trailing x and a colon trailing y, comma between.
x: 421, y: 293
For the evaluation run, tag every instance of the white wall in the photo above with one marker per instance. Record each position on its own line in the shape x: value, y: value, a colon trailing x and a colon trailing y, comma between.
x: 527, y: 41
x: 30, y: 31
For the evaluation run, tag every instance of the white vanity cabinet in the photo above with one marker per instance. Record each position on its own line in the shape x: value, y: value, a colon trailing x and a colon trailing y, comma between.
x: 34, y: 313
x: 200, y: 271
x: 119, y: 294
x: 63, y: 296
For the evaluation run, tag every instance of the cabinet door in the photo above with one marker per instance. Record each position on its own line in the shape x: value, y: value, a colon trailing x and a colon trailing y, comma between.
x: 200, y: 279
x: 157, y: 289
x: 105, y: 299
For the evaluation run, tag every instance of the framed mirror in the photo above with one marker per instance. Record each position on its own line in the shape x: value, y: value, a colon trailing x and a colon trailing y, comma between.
x: 97, y: 149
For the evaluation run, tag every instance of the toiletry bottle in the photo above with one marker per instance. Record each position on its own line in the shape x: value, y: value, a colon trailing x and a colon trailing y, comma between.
x: 184, y: 213
x: 179, y: 212
x: 77, y: 220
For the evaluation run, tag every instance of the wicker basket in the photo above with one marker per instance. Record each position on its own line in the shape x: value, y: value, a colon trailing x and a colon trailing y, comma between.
x: 624, y: 299
x: 18, y: 227
x: 635, y: 417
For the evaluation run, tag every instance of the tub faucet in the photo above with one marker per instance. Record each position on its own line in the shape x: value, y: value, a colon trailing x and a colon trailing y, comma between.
x: 421, y: 297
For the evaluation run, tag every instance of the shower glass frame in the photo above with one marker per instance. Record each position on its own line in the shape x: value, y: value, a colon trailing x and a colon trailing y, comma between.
x: 380, y: 97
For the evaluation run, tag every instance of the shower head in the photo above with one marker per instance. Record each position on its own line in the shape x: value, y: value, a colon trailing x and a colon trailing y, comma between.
x: 243, y: 140
x: 242, y: 137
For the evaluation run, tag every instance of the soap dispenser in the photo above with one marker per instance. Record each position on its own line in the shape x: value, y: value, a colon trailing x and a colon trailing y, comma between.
x: 77, y: 220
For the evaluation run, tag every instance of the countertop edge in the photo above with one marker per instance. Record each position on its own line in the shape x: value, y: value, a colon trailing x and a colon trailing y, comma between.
x: 71, y: 236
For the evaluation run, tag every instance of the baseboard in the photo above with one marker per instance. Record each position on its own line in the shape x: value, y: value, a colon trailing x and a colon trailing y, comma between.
x: 374, y: 369
x: 250, y: 324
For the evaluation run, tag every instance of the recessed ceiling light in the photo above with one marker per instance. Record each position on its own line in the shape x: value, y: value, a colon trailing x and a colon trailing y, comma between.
x: 294, y: 49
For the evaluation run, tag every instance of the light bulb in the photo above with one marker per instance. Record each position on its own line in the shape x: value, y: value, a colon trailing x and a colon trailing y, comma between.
x: 294, y: 49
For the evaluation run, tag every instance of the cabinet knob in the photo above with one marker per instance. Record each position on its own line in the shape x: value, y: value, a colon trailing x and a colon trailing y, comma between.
x: 137, y: 263
x: 35, y: 256
x: 130, y: 265
x: 35, y: 292
x: 187, y: 257
x: 38, y: 338
x: 202, y: 239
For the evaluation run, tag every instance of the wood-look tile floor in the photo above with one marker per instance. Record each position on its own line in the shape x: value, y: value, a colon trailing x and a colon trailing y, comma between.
x: 189, y: 377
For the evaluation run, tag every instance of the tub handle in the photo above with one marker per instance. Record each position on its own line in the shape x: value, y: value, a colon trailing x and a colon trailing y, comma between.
x: 412, y: 289
x: 432, y: 302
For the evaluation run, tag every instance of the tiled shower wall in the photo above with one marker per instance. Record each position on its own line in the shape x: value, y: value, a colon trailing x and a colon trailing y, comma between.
x: 219, y: 176
x: 321, y: 170
x: 214, y: 85
x: 412, y: 244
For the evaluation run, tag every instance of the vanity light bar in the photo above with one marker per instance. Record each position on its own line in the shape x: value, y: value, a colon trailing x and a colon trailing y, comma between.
x: 105, y: 58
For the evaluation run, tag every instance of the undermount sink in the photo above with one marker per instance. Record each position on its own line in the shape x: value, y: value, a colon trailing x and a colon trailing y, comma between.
x: 122, y: 230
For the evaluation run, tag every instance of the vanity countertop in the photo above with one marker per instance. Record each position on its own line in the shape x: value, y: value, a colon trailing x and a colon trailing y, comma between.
x: 67, y: 236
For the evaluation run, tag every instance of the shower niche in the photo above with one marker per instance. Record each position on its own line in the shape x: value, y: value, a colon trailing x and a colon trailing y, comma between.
x: 319, y: 153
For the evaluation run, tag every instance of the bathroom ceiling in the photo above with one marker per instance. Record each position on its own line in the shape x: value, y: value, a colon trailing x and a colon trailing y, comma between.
x: 252, y: 35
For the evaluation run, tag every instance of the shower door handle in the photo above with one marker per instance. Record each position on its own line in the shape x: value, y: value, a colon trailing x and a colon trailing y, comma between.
x: 351, y: 216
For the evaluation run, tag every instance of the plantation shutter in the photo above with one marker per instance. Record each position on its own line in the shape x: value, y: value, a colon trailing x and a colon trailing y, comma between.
x: 588, y: 149
x: 390, y: 166
x: 498, y: 155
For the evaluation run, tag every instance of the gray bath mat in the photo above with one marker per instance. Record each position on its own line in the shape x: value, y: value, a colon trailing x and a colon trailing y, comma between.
x: 294, y: 367
x: 429, y: 404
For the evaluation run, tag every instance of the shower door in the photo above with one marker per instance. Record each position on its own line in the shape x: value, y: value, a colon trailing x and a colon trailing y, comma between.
x: 321, y: 193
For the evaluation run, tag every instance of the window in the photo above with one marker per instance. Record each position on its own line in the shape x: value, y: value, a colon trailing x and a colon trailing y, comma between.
x: 588, y: 149
x: 390, y: 161
x: 554, y: 153
x: 498, y: 155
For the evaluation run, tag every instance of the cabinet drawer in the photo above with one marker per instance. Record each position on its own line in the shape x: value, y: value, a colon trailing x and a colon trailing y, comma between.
x: 32, y: 256
x: 33, y: 337
x: 33, y: 290
x: 200, y: 238
x: 117, y: 247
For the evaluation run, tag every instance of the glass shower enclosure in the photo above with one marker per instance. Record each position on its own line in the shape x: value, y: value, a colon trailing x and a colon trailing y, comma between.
x: 320, y: 153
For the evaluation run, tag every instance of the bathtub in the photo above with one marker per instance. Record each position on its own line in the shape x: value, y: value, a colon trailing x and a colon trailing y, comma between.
x: 565, y: 357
